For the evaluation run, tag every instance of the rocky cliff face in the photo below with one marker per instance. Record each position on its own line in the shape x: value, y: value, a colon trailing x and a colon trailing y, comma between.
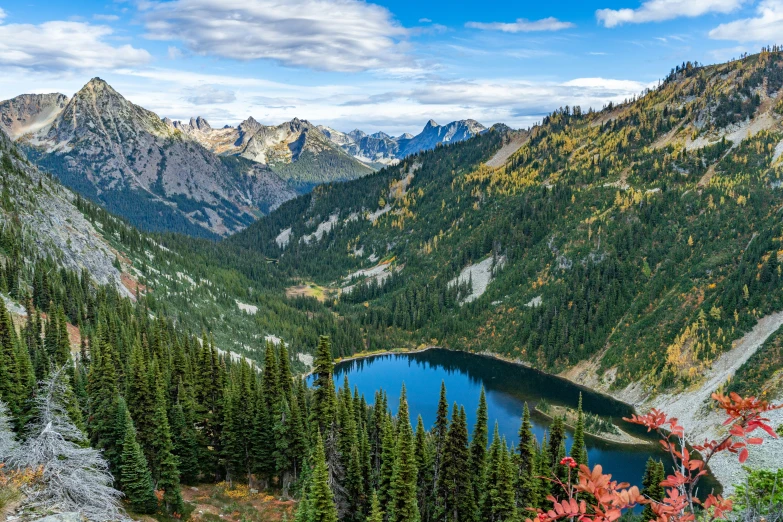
x: 30, y: 113
x: 50, y: 221
x: 137, y: 165
x: 279, y: 147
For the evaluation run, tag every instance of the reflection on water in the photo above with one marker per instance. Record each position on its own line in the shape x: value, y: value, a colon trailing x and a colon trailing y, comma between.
x: 508, y: 387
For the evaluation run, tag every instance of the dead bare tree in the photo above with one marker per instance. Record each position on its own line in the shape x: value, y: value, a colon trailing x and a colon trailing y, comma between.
x: 74, y: 477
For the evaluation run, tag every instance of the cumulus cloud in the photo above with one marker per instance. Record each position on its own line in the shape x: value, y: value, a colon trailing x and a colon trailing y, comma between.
x: 105, y: 17
x: 766, y: 26
x: 209, y: 95
x: 660, y: 10
x: 2, y: 14
x: 62, y: 45
x: 522, y: 25
x: 332, y: 35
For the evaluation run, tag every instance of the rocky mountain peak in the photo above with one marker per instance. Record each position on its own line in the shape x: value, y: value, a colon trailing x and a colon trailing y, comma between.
x: 430, y: 125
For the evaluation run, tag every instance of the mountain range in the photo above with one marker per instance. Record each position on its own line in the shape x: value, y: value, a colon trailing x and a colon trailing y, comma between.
x: 380, y: 149
x: 165, y: 175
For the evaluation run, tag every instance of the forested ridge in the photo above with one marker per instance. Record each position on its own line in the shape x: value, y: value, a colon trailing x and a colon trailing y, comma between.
x: 647, y: 227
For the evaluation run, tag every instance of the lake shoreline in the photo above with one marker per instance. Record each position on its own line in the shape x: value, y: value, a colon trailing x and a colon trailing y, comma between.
x: 624, y: 438
x: 490, y: 355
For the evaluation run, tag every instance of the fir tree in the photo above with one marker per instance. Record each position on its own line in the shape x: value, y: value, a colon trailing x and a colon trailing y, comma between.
x: 134, y: 477
x: 324, y: 404
x: 376, y: 514
x: 456, y: 502
x: 387, y: 462
x: 402, y: 499
x: 654, y: 474
x: 578, y: 448
x: 526, y: 459
x: 320, y: 498
x: 478, y: 447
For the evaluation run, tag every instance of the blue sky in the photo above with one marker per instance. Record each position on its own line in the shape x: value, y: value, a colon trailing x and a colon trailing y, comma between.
x: 384, y: 65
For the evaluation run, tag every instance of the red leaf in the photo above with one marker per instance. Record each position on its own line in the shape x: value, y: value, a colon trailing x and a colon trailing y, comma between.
x: 743, y: 456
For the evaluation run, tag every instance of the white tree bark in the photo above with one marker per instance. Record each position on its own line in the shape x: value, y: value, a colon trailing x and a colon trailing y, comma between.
x: 75, y: 477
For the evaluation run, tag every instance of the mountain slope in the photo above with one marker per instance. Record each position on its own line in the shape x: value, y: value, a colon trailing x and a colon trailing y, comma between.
x: 629, y: 247
x: 380, y: 149
x: 280, y: 147
x: 126, y: 158
x: 52, y: 239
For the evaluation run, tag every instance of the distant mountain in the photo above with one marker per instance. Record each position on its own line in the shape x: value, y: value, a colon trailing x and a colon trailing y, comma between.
x: 297, y: 150
x: 380, y: 149
x: 138, y: 166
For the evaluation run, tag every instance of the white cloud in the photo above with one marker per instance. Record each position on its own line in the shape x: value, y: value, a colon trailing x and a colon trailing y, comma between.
x: 210, y: 95
x: 522, y: 25
x: 767, y: 26
x: 105, y: 17
x: 62, y: 45
x: 660, y: 10
x: 333, y: 35
x: 2, y: 14
x: 425, y: 20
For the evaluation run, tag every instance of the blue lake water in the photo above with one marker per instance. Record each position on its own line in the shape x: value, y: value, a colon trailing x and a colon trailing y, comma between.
x: 508, y: 386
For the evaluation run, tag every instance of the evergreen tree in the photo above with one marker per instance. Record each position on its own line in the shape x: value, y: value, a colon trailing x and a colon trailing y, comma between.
x: 134, y: 477
x: 654, y: 474
x: 498, y: 502
x: 478, y: 447
x: 164, y: 471
x: 10, y: 378
x: 578, y: 448
x: 456, y: 502
x: 424, y: 462
x: 320, y: 498
x: 439, y: 435
x: 376, y: 514
x: 387, y: 462
x: 526, y: 458
x: 184, y: 438
x: 403, y: 506
x: 324, y: 403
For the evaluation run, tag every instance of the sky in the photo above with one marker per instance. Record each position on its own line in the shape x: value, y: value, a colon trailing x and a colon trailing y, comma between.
x: 388, y: 65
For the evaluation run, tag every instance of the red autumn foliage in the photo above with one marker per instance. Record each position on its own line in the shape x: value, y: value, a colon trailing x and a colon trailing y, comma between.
x: 609, y: 498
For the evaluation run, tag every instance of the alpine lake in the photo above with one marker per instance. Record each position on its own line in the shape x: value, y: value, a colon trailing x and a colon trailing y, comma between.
x: 508, y: 387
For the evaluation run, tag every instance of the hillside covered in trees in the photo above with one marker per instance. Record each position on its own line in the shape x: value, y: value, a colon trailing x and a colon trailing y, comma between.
x: 606, y: 238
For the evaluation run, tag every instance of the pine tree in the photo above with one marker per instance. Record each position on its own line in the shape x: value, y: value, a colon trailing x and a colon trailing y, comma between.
x: 184, y: 437
x: 424, y: 462
x: 324, y: 403
x: 654, y: 474
x: 134, y: 477
x: 578, y: 448
x: 402, y: 499
x: 439, y: 435
x: 478, y: 447
x: 557, y: 436
x: 387, y: 462
x: 376, y: 514
x: 498, y: 502
x: 455, y: 502
x: 320, y: 498
x: 164, y: 471
x: 10, y: 379
x: 526, y: 481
